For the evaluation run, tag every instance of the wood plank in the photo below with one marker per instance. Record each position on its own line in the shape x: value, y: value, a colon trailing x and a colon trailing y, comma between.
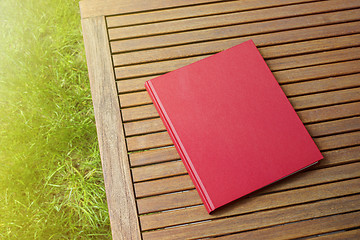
x: 253, y: 204
x: 329, y: 113
x: 153, y: 140
x: 348, y: 234
x: 307, y: 116
x: 132, y: 84
x: 338, y: 141
x: 170, y: 154
x: 119, y: 189
x: 138, y: 113
x: 153, y: 156
x: 181, y: 183
x: 94, y: 8
x: 284, y: 43
x: 274, y: 64
x: 164, y: 185
x: 161, y: 139
x: 325, y: 99
x: 259, y: 220
x: 156, y: 125
x: 316, y: 72
x: 191, y: 197
x: 142, y: 98
x: 245, y: 29
x: 304, y: 60
x: 144, y: 126
x: 322, y: 85
x: 172, y: 168
x: 308, y: 228
x: 149, y: 111
x: 334, y: 127
x: 191, y: 24
x: 195, y: 11
x: 151, y: 172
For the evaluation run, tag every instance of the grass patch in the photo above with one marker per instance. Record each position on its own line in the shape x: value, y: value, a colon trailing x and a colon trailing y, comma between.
x: 51, y: 183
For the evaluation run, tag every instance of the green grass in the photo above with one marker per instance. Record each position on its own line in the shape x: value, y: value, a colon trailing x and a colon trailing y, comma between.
x: 51, y: 184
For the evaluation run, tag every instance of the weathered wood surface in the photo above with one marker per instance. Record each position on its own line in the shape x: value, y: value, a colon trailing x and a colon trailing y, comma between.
x: 111, y: 137
x: 313, y: 49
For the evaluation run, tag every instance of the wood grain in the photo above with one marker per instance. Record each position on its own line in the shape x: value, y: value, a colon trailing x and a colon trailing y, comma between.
x: 191, y: 197
x: 246, y: 29
x: 292, y: 42
x: 176, y: 167
x: 181, y: 183
x: 259, y: 219
x: 94, y: 8
x: 221, y: 7
x: 142, y: 98
x: 162, y: 139
x: 253, y: 204
x: 115, y: 163
x: 311, y: 227
x: 313, y: 49
x: 277, y: 64
x: 345, y: 234
x: 191, y: 24
x: 337, y: 126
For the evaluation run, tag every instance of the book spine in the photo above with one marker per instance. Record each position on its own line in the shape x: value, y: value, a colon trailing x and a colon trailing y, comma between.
x: 197, y: 182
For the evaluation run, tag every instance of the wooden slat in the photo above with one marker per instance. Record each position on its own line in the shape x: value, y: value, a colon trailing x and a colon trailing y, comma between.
x: 316, y: 72
x: 191, y: 24
x: 329, y: 113
x: 94, y: 8
x: 176, y: 168
x: 153, y: 140
x: 162, y: 139
x: 181, y: 183
x: 259, y: 220
x: 142, y: 98
x: 274, y: 64
x: 235, y: 30
x: 191, y: 197
x: 325, y: 99
x: 322, y: 85
x: 147, y: 141
x: 302, y: 88
x: 158, y: 171
x: 308, y: 228
x: 349, y: 234
x: 138, y: 113
x: 144, y: 126
x: 153, y: 156
x: 304, y: 73
x: 334, y: 127
x: 311, y: 40
x: 253, y: 204
x: 338, y: 141
x: 161, y: 186
x: 119, y: 188
x: 314, y: 59
x: 156, y: 125
x: 307, y: 116
x: 195, y: 11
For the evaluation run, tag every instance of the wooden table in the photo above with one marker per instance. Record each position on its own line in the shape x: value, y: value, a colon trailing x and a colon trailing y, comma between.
x: 313, y: 49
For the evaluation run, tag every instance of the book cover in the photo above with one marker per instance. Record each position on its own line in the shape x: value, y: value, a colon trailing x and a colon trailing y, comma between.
x: 232, y: 124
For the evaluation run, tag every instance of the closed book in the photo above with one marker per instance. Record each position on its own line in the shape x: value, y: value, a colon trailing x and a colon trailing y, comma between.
x: 232, y: 125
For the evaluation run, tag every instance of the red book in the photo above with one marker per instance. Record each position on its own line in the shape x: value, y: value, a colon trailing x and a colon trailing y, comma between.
x: 232, y: 124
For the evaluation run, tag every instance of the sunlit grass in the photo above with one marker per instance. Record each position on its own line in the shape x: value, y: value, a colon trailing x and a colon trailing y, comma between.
x: 51, y: 184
